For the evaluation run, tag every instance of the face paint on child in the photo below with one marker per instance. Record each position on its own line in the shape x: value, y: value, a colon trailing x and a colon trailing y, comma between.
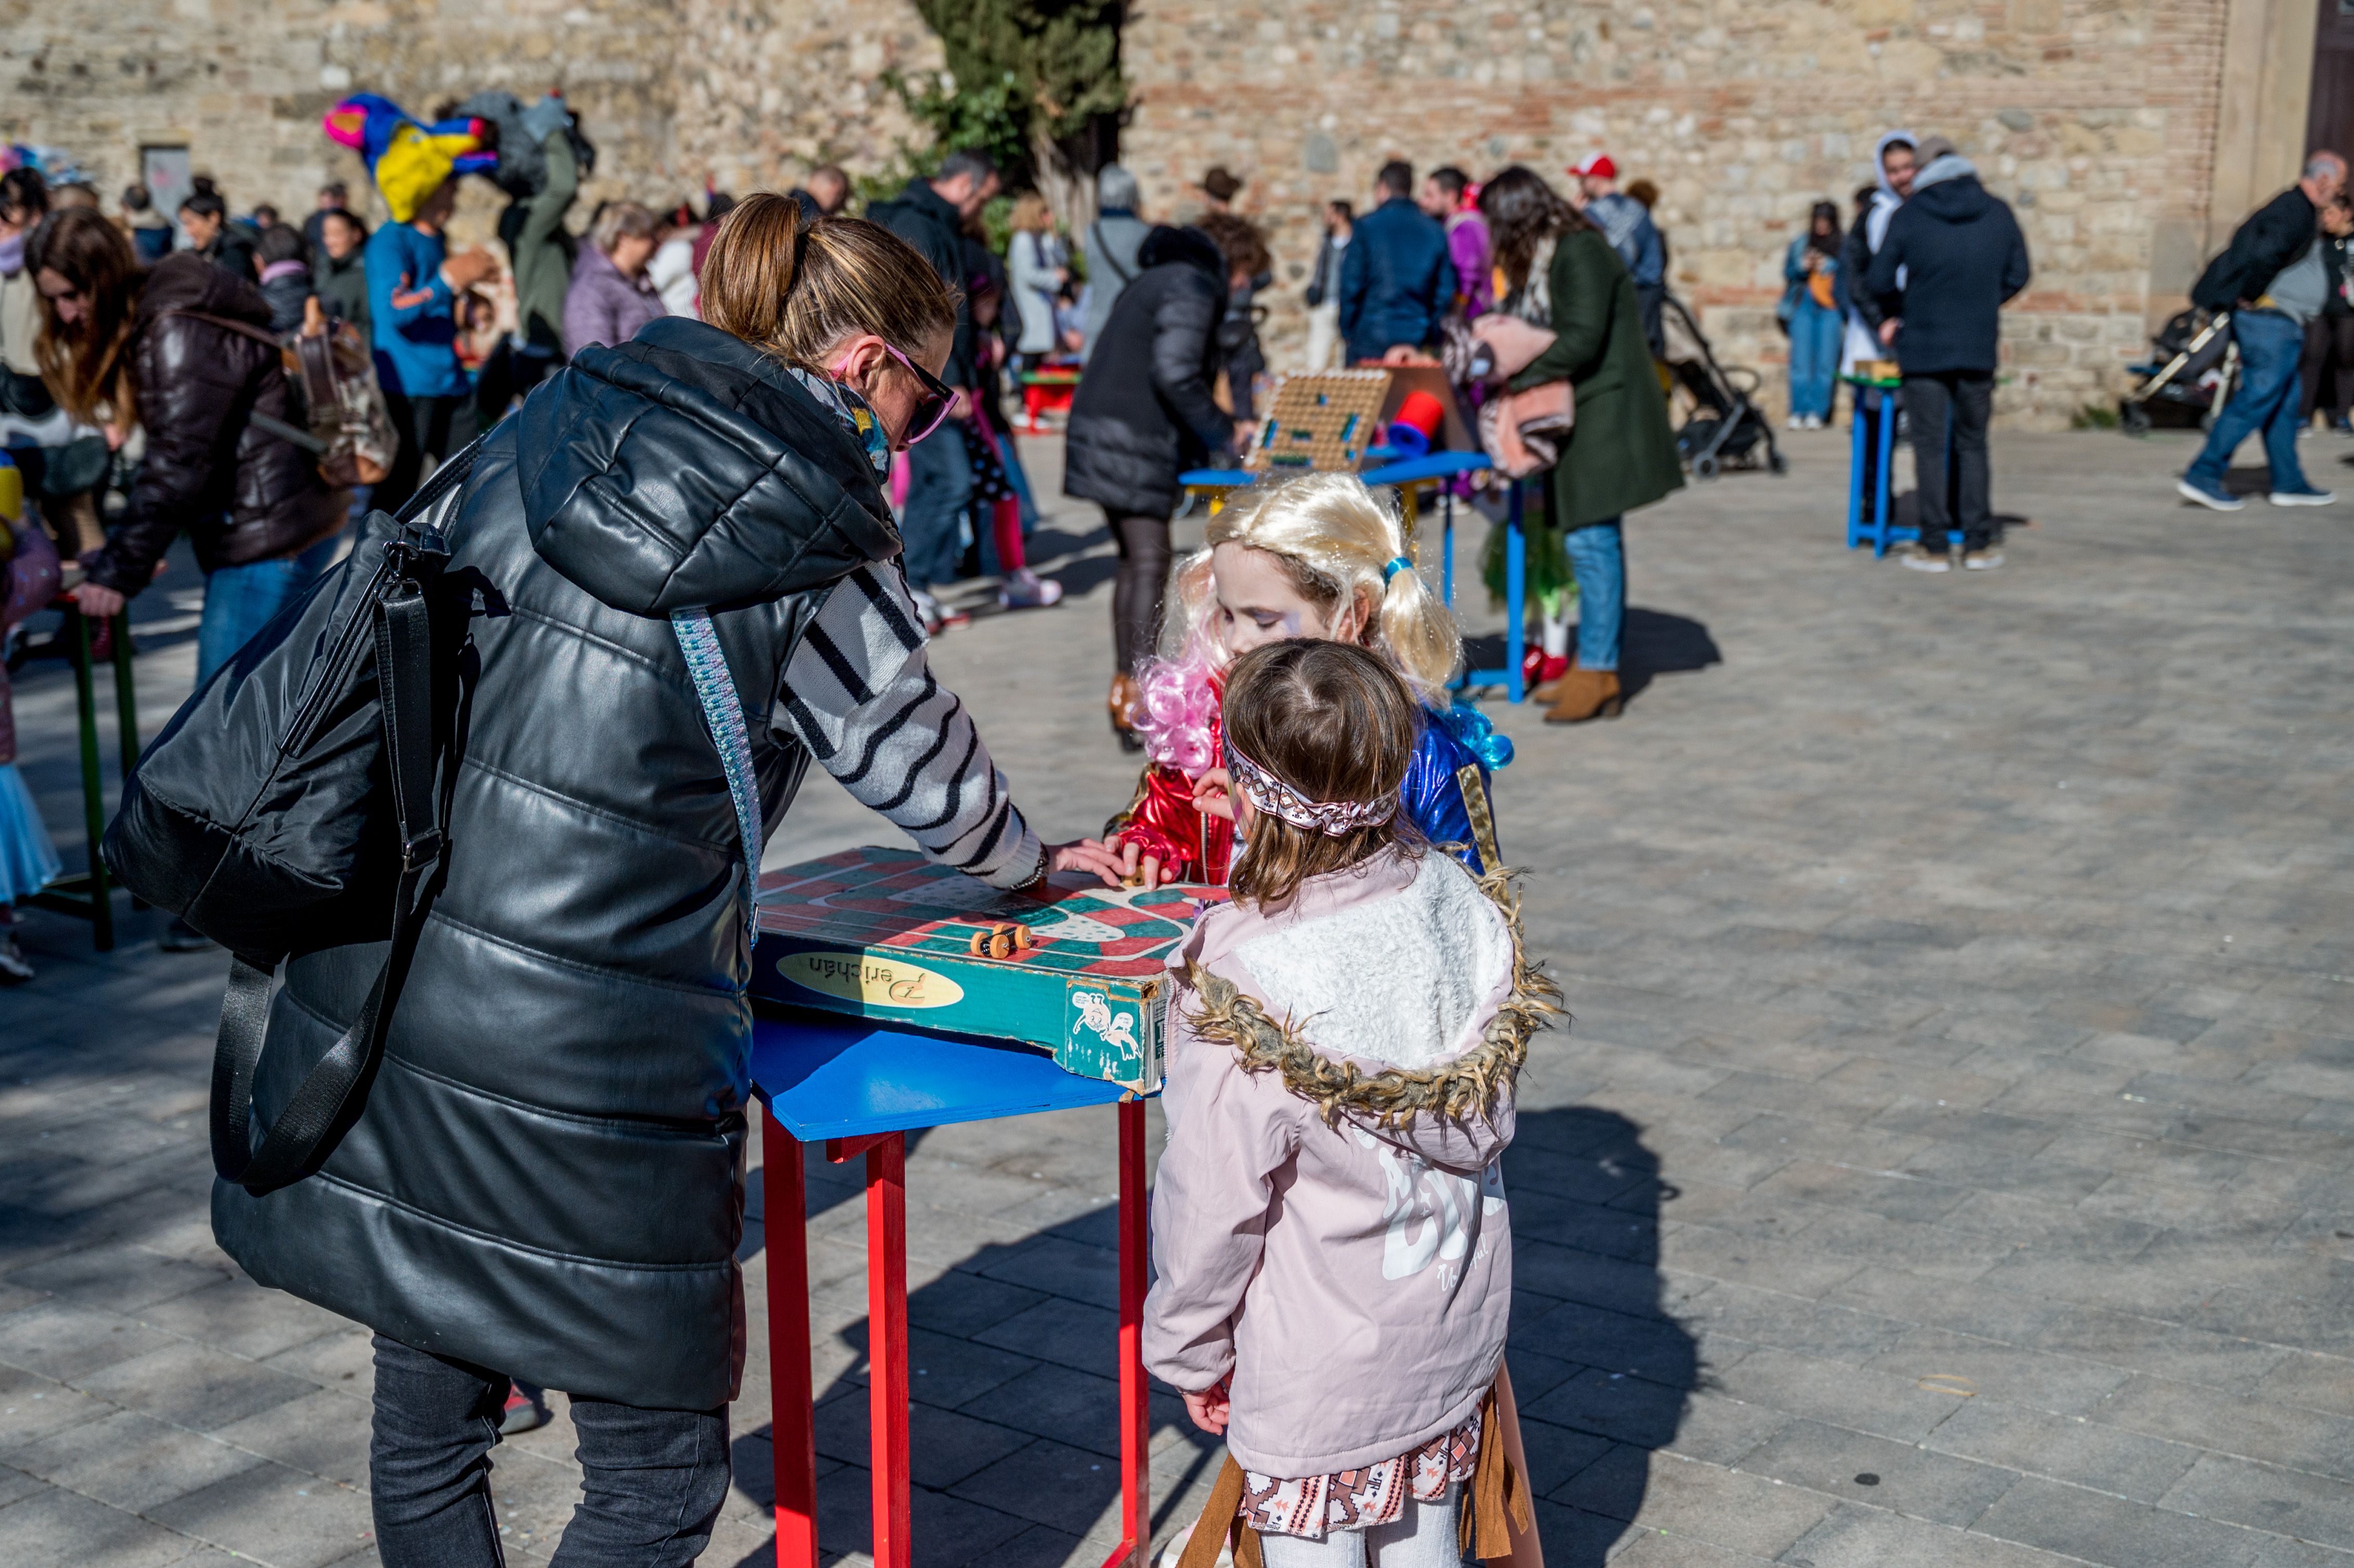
x: 1253, y: 601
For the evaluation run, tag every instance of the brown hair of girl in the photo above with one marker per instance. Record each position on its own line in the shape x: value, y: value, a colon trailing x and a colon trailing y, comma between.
x: 1334, y: 721
x: 796, y: 290
x: 86, y: 362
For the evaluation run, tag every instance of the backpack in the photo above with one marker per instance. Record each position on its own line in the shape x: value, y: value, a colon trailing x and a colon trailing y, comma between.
x: 344, y: 420
x: 298, y: 801
x: 291, y: 805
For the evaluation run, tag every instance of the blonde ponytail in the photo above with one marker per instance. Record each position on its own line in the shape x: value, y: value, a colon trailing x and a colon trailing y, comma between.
x: 797, y: 289
x: 1336, y: 540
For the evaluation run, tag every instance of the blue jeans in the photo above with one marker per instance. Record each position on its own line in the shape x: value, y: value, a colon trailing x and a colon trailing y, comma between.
x: 939, y: 489
x: 2271, y: 345
x: 1814, y: 357
x: 241, y: 601
x: 1597, y: 554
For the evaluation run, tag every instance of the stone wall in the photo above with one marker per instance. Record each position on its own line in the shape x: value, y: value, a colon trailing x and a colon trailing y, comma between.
x: 2097, y: 119
x: 769, y: 87
x: 242, y: 83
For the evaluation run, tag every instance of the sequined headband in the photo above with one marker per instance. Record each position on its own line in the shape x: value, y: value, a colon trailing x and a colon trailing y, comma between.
x: 1333, y: 818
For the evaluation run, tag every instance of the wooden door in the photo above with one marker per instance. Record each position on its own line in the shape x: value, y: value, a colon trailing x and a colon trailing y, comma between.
x: 2330, y: 121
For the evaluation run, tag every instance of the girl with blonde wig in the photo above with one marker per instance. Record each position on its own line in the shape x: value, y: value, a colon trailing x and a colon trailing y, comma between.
x: 1320, y: 557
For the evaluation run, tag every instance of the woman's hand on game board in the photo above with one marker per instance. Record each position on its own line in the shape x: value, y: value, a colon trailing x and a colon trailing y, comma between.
x: 1209, y: 1408
x: 1213, y: 794
x: 1088, y: 855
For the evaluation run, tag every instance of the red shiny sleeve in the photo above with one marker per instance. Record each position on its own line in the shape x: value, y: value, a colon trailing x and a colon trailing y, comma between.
x: 1164, y: 822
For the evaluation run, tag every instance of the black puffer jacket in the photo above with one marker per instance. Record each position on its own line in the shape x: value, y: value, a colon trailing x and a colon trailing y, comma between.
x: 1143, y: 413
x: 547, y: 1176
x: 242, y: 493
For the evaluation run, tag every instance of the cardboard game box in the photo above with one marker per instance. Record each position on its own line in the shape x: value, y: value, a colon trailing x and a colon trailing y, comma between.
x: 1076, y: 971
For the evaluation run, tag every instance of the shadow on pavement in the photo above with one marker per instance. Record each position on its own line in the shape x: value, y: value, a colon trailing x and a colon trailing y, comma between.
x: 1013, y: 1436
x: 1653, y: 642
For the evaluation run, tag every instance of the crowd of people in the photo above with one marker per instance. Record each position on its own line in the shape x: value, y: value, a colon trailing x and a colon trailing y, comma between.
x: 831, y: 386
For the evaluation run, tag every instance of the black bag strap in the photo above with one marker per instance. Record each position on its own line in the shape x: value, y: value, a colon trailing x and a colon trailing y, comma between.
x: 299, y: 1139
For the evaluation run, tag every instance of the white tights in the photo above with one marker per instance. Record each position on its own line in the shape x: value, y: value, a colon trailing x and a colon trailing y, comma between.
x: 1421, y: 1537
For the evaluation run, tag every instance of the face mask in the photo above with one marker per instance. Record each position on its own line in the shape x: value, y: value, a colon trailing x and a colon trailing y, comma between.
x: 12, y: 255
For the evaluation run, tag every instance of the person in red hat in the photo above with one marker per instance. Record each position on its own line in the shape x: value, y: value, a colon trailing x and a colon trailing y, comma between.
x: 1626, y: 224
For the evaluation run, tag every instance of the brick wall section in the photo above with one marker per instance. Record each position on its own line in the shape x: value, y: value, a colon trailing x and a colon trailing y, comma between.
x: 2094, y: 118
x: 243, y: 84
x: 768, y: 90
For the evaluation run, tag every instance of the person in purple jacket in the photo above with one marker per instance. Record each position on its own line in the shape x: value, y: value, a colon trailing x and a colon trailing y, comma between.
x: 1449, y: 196
x: 1333, y: 1251
x: 610, y: 297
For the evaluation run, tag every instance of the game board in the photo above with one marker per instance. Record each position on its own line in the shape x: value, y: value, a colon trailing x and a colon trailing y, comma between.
x: 1322, y: 419
x: 1078, y: 972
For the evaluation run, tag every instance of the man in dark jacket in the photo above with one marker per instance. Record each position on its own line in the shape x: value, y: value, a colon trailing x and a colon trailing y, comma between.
x: 1143, y: 415
x: 931, y: 215
x: 1396, y: 280
x: 2273, y: 281
x: 1961, y: 256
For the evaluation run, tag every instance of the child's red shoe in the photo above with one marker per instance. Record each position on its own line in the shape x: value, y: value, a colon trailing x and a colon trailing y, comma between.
x: 1539, y: 668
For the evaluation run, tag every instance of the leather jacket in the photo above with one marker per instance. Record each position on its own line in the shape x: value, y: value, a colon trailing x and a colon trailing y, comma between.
x: 242, y: 493
x: 547, y: 1175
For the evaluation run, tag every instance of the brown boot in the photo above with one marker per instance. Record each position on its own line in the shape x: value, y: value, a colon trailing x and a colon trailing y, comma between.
x: 1582, y: 694
x: 1121, y: 704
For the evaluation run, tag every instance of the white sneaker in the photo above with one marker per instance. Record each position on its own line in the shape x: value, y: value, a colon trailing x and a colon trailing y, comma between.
x: 1924, y: 560
x: 1984, y: 560
x: 928, y: 607
x: 1026, y: 590
x: 1794, y: 422
x: 1814, y: 421
x: 2305, y: 497
x: 14, y: 970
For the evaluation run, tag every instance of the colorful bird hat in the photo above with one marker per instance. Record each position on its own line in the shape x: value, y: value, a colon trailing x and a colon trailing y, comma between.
x: 408, y: 160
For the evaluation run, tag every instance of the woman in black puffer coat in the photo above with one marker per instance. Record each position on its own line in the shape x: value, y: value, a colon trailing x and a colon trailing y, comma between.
x: 195, y: 341
x: 547, y: 1177
x: 1142, y: 416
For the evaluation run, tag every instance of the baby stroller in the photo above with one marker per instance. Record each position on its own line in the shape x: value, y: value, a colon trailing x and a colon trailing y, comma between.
x: 2192, y: 367
x: 1724, y: 428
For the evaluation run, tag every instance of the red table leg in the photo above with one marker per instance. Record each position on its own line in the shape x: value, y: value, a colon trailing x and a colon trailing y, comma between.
x: 1134, y: 1410
x: 886, y: 1344
x: 793, y: 1425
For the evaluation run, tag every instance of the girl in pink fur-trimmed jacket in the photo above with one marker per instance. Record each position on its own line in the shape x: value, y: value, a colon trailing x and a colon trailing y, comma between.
x: 1329, y: 1233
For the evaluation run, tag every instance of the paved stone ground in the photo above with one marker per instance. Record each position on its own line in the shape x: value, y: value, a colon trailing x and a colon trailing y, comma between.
x: 1952, y: 1162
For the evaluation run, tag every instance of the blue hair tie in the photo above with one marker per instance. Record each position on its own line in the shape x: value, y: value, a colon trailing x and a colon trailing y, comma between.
x: 1397, y: 564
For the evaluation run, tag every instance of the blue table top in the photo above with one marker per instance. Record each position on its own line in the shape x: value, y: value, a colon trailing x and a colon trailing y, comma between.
x: 1437, y: 465
x: 829, y: 1076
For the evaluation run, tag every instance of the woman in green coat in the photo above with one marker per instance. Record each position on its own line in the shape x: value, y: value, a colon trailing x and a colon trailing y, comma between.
x: 1558, y: 271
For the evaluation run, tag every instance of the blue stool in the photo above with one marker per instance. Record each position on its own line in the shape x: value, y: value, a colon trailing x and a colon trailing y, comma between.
x: 1878, y: 527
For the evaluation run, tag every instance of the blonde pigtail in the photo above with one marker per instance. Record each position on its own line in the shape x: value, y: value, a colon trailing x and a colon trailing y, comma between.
x: 1418, y: 634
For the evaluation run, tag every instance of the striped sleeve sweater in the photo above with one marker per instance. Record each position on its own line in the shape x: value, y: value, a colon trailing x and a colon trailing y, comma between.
x: 860, y: 693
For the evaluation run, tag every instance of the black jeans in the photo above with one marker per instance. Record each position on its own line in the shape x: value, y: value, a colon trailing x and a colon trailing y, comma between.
x: 1138, y: 589
x: 1947, y: 412
x: 2328, y: 366
x: 438, y: 427
x: 654, y: 1480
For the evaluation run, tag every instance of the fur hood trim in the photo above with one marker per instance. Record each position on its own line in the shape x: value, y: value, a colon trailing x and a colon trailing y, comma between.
x: 1466, y: 1086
